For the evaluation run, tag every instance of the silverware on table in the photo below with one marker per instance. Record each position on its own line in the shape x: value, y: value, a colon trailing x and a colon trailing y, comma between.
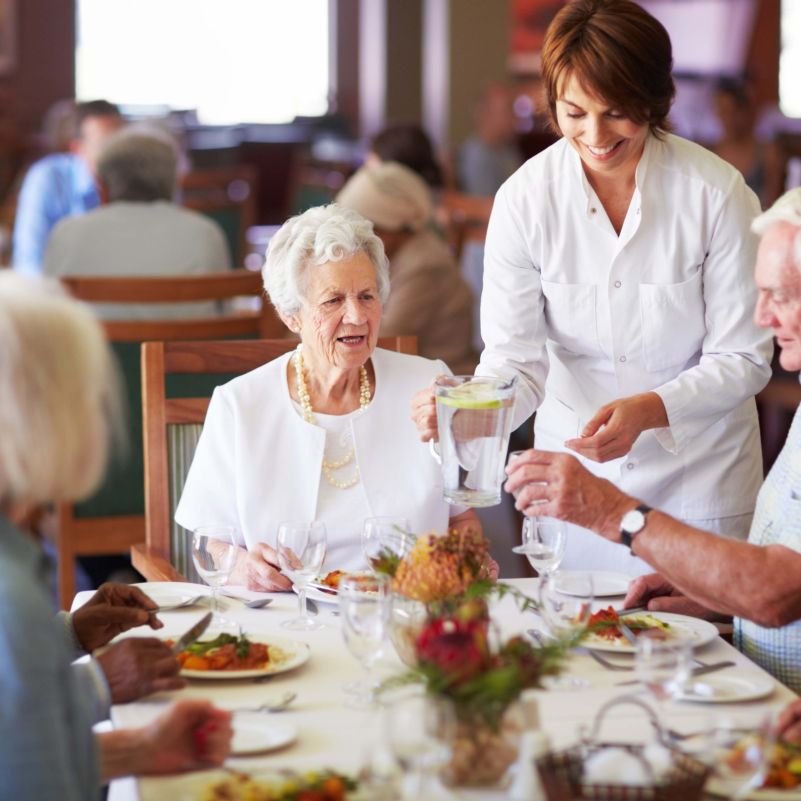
x: 698, y: 671
x: 255, y: 603
x: 179, y: 604
x: 183, y: 642
x: 311, y: 607
x: 275, y: 706
x: 627, y: 632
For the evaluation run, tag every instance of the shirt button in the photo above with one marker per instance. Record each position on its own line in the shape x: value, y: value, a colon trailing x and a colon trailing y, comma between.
x: 618, y: 284
x: 593, y: 209
x: 622, y: 359
x: 638, y: 211
x: 630, y: 466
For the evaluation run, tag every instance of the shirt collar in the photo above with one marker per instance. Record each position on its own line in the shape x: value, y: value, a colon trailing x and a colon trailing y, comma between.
x: 83, y: 182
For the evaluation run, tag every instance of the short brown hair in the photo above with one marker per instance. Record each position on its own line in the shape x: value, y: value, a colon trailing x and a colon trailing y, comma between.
x: 618, y: 52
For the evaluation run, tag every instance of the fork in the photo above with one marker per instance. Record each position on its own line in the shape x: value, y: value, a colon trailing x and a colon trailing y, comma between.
x: 277, y: 706
x: 187, y: 602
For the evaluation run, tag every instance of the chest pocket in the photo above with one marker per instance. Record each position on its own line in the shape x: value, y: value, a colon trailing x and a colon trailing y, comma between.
x: 673, y: 325
x: 572, y: 316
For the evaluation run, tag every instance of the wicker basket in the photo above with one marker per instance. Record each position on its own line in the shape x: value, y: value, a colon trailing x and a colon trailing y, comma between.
x: 561, y: 771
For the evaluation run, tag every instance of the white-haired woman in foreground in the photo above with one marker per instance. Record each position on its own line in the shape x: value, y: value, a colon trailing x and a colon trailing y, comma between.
x: 322, y: 433
x: 57, y: 402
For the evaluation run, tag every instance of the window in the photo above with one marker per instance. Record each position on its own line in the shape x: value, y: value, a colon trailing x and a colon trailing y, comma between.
x: 790, y: 59
x: 233, y: 61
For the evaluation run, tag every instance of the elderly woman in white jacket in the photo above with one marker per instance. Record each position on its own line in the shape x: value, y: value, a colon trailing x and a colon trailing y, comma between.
x: 322, y: 433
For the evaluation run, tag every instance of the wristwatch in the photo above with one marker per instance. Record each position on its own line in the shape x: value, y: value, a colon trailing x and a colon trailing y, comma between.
x: 633, y: 523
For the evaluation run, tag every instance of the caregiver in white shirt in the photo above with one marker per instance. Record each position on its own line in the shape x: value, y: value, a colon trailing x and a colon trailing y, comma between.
x: 321, y: 433
x: 617, y: 288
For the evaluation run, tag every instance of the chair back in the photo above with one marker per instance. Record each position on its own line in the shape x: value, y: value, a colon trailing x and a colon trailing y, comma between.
x: 173, y: 421
x: 113, y: 518
x: 466, y: 219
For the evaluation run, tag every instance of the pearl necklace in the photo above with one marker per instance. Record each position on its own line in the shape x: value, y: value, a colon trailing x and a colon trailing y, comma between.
x: 308, y: 416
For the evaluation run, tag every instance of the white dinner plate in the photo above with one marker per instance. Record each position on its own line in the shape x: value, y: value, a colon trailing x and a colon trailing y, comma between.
x: 257, y: 733
x: 715, y: 786
x: 167, y: 593
x: 699, y: 632
x: 320, y: 597
x: 604, y: 584
x: 726, y: 689
x: 295, y: 654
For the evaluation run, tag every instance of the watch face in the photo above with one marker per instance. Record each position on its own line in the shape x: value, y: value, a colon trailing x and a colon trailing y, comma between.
x: 632, y: 521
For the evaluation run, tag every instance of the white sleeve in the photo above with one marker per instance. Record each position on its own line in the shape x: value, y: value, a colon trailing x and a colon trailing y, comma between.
x: 513, y: 310
x: 209, y: 496
x: 736, y: 354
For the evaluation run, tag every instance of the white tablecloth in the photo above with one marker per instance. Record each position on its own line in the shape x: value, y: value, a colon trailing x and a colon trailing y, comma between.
x: 333, y: 735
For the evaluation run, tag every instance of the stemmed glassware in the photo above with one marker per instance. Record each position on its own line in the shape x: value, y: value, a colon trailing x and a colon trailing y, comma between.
x: 544, y: 538
x: 385, y: 534
x: 364, y: 605
x: 663, y: 665
x: 740, y: 760
x: 214, y: 552
x: 301, y: 553
x: 566, y: 601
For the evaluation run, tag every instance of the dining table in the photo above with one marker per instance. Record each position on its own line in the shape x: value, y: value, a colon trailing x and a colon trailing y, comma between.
x: 327, y: 733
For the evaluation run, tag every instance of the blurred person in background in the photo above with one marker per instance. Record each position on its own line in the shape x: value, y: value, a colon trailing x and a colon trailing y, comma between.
x: 61, y: 184
x: 411, y: 146
x: 430, y: 299
x: 138, y: 230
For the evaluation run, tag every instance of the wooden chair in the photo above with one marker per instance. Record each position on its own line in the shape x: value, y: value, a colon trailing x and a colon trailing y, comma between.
x: 228, y: 195
x: 466, y: 218
x: 113, y: 519
x: 172, y: 427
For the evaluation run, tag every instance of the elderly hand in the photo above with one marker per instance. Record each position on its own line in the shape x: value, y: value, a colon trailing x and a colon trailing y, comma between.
x: 257, y: 569
x: 424, y: 414
x: 556, y: 485
x: 614, y: 429
x: 788, y: 727
x: 657, y: 594
x: 114, y: 608
x: 189, y: 735
x: 138, y: 666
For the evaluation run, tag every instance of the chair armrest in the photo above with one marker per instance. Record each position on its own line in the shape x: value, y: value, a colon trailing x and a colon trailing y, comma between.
x: 153, y: 566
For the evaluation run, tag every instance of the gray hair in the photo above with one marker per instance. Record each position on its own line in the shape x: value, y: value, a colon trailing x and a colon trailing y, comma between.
x: 787, y: 209
x: 59, y: 394
x: 319, y: 235
x: 139, y: 164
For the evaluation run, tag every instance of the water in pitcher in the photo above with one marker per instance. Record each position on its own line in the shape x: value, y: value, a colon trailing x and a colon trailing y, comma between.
x: 474, y: 417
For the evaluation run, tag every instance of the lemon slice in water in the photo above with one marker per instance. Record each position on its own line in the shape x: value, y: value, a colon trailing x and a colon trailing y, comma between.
x: 473, y: 395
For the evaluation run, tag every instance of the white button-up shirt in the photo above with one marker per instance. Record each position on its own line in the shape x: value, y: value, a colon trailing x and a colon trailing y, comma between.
x: 584, y: 316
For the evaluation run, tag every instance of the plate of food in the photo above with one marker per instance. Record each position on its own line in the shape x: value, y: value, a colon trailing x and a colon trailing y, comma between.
x: 325, y: 589
x: 256, y: 734
x: 607, y: 636
x: 604, y: 584
x: 727, y: 689
x: 782, y: 781
x: 229, y: 657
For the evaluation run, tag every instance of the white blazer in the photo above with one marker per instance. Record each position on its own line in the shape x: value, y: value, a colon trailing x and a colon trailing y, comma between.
x: 584, y: 316
x: 258, y: 462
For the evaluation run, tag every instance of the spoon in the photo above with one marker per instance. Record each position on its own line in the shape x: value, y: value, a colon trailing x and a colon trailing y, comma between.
x: 278, y: 706
x: 256, y: 603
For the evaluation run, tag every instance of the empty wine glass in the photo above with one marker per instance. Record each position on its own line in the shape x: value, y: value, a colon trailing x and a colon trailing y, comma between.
x: 386, y: 534
x: 663, y: 665
x: 301, y: 553
x: 364, y: 605
x: 214, y: 552
x: 740, y: 760
x: 421, y: 732
x: 543, y: 543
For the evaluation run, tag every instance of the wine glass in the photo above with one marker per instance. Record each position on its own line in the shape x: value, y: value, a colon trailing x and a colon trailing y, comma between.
x: 380, y: 534
x: 364, y: 605
x: 740, y: 760
x: 301, y: 552
x: 663, y: 665
x: 214, y: 552
x: 421, y: 731
x: 543, y: 543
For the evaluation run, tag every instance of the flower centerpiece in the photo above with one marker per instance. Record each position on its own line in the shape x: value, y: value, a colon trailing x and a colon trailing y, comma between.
x: 451, y: 648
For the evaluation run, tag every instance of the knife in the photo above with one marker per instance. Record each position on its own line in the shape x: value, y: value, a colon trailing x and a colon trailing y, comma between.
x: 698, y: 671
x: 627, y: 632
x: 187, y: 639
x: 311, y: 607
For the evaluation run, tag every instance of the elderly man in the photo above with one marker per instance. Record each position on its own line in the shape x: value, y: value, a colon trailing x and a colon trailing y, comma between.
x: 61, y: 184
x: 429, y: 299
x: 138, y: 230
x: 759, y: 581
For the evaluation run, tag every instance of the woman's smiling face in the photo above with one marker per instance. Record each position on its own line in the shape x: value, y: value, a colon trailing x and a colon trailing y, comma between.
x: 341, y: 313
x: 607, y: 142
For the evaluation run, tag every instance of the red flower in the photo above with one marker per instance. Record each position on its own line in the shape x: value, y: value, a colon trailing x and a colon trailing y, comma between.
x: 457, y: 648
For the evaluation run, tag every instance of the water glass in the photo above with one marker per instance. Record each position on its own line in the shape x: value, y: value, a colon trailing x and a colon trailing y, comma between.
x: 301, y: 553
x: 364, y: 607
x: 386, y: 534
x: 740, y: 760
x: 543, y: 544
x: 663, y: 665
x: 566, y: 602
x: 214, y: 552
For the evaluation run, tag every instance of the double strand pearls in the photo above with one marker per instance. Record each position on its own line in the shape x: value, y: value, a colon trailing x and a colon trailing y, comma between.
x: 308, y: 415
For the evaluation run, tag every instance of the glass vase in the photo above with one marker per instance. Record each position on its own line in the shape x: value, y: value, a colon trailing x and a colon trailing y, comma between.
x: 407, y: 621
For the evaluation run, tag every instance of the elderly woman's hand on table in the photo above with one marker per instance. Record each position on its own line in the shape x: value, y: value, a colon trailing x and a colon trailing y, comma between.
x: 257, y: 569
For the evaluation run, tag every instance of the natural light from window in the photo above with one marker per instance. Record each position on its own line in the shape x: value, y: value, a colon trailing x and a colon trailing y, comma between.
x: 236, y: 61
x: 790, y: 59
